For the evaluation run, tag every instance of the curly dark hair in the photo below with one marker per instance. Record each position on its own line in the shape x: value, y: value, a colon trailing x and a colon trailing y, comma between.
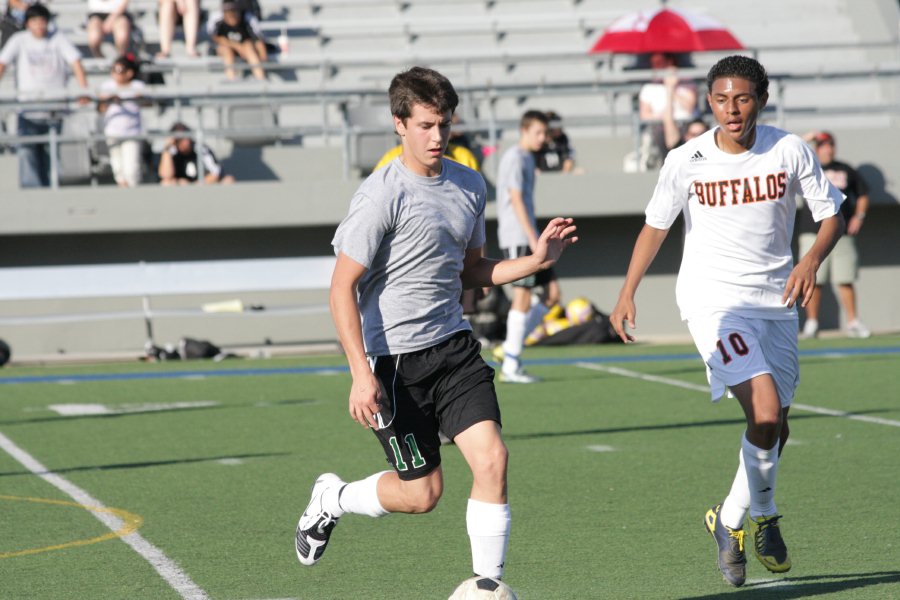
x: 743, y: 67
x: 420, y: 85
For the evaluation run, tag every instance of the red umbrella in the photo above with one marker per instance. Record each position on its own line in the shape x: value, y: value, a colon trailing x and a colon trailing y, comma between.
x: 665, y: 30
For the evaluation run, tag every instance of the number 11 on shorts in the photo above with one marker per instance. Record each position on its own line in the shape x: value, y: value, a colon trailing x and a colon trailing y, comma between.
x: 410, y: 441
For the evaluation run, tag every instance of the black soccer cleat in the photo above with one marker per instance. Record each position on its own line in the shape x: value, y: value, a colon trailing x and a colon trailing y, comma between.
x: 730, y: 542
x: 768, y: 545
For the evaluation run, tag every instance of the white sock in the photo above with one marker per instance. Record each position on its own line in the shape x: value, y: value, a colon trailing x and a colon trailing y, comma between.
x: 515, y: 336
x: 488, y: 527
x: 735, y: 507
x: 762, y: 467
x: 357, y: 497
x: 535, y: 316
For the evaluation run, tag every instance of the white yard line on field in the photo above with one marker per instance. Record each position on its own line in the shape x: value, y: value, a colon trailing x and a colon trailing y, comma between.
x: 166, y: 567
x: 705, y: 389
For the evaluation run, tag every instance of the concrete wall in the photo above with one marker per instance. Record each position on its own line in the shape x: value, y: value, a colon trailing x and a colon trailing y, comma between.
x: 294, y: 208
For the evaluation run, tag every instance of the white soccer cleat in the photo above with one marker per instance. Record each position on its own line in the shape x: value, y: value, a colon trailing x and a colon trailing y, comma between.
x: 810, y: 329
x: 315, y: 525
x: 856, y: 329
x: 518, y: 376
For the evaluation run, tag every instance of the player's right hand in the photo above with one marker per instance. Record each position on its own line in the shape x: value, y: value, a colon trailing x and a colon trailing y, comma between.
x: 623, y: 315
x: 365, y: 400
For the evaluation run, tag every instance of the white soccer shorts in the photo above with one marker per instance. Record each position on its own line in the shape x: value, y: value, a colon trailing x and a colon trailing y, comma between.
x: 736, y: 349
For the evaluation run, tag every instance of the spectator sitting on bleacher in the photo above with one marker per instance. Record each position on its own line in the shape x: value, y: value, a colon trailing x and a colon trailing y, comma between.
x: 13, y: 20
x: 121, y: 108
x: 464, y: 139
x: 652, y: 103
x: 673, y: 134
x: 179, y: 163
x: 459, y: 154
x: 171, y: 13
x: 557, y: 154
x: 236, y: 32
x: 43, y: 60
x: 108, y: 17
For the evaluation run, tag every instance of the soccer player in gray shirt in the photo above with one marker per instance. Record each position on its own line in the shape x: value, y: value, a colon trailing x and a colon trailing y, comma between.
x: 517, y: 235
x: 412, y: 240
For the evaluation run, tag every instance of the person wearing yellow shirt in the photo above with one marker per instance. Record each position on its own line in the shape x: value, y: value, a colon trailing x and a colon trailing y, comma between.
x: 460, y: 154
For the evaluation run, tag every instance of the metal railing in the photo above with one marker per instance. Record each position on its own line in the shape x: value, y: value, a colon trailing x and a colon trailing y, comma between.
x: 491, y: 124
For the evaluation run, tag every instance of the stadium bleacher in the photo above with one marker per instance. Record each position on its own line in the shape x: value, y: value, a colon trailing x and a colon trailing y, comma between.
x: 834, y: 64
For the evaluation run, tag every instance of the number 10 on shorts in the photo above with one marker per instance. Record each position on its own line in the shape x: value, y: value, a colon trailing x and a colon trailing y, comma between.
x: 738, y: 345
x: 410, y: 440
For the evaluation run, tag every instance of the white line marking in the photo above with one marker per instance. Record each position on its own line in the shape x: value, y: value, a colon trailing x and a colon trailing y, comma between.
x: 704, y: 388
x: 847, y: 415
x: 230, y: 461
x: 769, y: 583
x: 644, y: 376
x: 80, y: 410
x: 166, y: 567
x: 83, y: 410
x: 601, y: 448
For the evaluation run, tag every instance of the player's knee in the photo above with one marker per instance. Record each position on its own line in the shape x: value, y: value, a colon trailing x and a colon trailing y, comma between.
x: 767, y: 428
x: 424, y: 503
x: 491, y: 463
x: 422, y: 495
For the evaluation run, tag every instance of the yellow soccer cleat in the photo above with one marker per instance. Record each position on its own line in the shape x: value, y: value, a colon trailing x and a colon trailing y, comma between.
x: 768, y: 544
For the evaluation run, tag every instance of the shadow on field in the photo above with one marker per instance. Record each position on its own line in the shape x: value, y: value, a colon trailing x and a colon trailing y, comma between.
x: 664, y: 426
x: 629, y: 429
x: 805, y: 587
x: 156, y: 463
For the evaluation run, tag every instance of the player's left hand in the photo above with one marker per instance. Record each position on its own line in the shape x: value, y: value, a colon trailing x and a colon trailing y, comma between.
x: 556, y: 237
x: 800, y: 285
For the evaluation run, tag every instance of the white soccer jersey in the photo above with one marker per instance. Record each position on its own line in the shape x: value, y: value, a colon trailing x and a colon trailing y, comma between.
x: 739, y: 214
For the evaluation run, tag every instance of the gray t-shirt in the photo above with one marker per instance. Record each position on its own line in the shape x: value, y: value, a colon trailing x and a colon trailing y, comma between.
x: 42, y: 64
x: 412, y: 233
x: 516, y: 172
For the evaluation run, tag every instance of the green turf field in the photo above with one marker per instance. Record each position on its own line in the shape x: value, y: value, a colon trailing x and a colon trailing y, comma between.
x: 611, y: 472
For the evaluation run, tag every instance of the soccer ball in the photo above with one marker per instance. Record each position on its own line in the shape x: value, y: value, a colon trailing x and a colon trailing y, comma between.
x: 579, y: 310
x: 482, y: 588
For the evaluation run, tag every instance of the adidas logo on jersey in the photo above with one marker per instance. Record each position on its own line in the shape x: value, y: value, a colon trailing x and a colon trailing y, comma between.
x: 697, y: 157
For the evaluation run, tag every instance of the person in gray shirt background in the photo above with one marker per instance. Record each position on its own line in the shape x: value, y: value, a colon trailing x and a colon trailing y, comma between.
x: 42, y: 60
x: 517, y: 236
x: 411, y: 241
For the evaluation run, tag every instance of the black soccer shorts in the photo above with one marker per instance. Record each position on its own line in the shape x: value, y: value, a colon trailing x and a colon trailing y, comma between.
x: 446, y: 387
x: 539, y: 279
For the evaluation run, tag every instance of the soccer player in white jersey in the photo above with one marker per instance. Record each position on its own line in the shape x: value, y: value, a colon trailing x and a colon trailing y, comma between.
x: 412, y: 239
x: 737, y: 287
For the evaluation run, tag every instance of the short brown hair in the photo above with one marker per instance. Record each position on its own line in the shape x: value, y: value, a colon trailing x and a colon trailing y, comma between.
x: 420, y: 85
x: 531, y: 116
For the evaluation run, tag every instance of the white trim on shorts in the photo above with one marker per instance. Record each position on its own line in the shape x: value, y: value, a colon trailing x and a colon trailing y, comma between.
x: 379, y: 420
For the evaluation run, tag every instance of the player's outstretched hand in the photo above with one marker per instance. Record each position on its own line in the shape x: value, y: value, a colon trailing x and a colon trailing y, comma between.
x: 623, y: 315
x: 800, y: 284
x: 557, y: 236
x: 366, y: 397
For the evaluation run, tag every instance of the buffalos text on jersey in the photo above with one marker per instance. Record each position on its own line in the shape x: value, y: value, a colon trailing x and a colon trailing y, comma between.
x: 726, y: 192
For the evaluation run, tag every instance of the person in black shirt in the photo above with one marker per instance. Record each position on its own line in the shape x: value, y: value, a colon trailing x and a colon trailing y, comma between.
x: 556, y: 154
x: 180, y: 161
x: 236, y: 33
x: 842, y: 265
